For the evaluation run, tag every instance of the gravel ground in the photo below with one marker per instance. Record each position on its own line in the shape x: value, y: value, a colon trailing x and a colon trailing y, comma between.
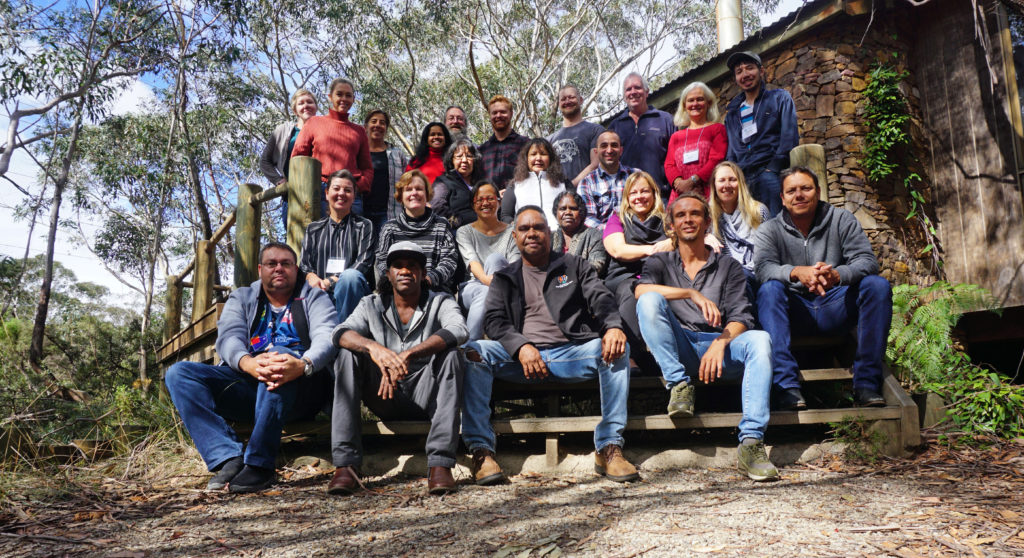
x: 921, y: 507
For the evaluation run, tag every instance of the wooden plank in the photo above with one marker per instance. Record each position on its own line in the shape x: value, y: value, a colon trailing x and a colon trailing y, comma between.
x: 825, y: 374
x: 222, y: 230
x: 195, y: 332
x: 909, y: 420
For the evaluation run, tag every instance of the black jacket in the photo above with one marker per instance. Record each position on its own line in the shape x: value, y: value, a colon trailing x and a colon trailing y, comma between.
x: 579, y: 302
x: 456, y: 205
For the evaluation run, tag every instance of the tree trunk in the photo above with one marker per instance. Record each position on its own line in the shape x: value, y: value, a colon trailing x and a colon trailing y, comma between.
x: 35, y: 352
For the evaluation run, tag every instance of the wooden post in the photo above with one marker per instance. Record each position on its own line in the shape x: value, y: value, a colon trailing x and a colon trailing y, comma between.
x: 304, y: 195
x: 247, y: 235
x: 172, y: 310
x: 202, y: 292
x: 812, y: 156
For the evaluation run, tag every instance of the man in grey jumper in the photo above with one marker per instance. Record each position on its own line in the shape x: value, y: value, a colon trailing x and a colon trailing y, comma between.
x: 400, y: 356
x: 819, y: 275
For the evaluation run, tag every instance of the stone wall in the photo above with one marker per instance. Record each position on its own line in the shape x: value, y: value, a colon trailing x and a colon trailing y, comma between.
x: 826, y: 72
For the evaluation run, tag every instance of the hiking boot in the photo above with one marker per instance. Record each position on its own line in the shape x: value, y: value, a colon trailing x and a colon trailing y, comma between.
x: 867, y: 397
x: 753, y: 460
x: 227, y: 471
x: 486, y: 470
x: 440, y: 480
x: 680, y: 400
x: 791, y: 399
x: 609, y: 462
x: 251, y: 479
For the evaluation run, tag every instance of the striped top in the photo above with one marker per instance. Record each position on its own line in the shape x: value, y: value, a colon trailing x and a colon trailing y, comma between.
x: 351, y: 239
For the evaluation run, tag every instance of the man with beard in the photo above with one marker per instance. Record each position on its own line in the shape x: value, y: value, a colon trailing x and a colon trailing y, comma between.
x: 761, y: 126
x: 576, y: 141
x: 274, y: 337
x: 399, y: 355
x: 696, y: 321
x: 455, y: 121
x: 501, y: 152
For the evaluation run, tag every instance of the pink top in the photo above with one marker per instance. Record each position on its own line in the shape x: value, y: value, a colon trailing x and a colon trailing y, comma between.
x: 711, y: 144
x: 614, y: 225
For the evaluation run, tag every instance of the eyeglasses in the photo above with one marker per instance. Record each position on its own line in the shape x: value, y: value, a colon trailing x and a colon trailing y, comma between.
x: 487, y: 199
x: 273, y: 264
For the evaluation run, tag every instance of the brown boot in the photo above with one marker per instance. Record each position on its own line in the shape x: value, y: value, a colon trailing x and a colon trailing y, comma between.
x: 440, y: 480
x: 485, y: 469
x: 610, y: 463
x: 345, y: 481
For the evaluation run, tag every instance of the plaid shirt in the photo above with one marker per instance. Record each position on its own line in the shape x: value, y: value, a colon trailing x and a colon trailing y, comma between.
x: 602, y: 194
x: 499, y: 157
x: 397, y: 161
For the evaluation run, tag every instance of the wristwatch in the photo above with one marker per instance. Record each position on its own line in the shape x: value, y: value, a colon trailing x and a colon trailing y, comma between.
x: 695, y: 179
x: 308, y: 370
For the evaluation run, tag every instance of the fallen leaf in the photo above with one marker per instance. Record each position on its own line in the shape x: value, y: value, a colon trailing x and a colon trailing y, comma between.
x: 89, y: 515
x: 708, y: 549
x: 272, y: 493
x: 978, y: 542
x: 177, y: 535
x: 1009, y: 515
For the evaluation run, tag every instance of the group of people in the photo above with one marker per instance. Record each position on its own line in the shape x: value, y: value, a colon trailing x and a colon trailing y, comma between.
x: 692, y: 251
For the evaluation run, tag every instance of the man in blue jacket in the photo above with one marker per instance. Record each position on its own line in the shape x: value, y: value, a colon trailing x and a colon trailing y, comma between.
x: 549, y: 318
x: 819, y: 275
x: 761, y: 126
x: 274, y: 339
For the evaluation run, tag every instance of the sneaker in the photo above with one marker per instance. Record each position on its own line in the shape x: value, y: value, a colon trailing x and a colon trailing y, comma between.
x: 680, y: 400
x: 792, y: 399
x: 486, y: 470
x: 753, y: 460
x: 609, y: 462
x: 225, y: 473
x: 867, y: 397
x: 251, y: 479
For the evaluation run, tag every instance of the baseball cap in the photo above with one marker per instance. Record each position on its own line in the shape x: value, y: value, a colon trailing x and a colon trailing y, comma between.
x: 743, y: 56
x: 406, y: 249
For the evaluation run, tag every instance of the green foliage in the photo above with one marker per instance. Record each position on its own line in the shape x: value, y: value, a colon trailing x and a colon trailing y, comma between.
x: 863, y: 442
x: 887, y: 117
x: 926, y: 357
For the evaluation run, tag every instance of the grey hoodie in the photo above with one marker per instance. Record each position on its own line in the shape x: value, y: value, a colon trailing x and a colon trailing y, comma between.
x: 835, y: 238
x: 233, y: 326
x: 373, y: 318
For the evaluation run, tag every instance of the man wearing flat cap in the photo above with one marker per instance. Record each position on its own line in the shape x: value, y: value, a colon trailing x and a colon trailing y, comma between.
x: 761, y: 125
x: 399, y: 355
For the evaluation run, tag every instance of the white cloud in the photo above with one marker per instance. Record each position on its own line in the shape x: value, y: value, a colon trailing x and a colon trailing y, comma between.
x: 133, y: 99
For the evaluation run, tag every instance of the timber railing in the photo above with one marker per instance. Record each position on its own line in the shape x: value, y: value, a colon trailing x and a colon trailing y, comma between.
x: 195, y: 341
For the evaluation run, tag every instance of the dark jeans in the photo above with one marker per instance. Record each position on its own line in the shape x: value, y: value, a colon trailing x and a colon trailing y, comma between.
x: 433, y: 392
x: 377, y: 218
x: 866, y: 305
x: 766, y: 188
x: 207, y: 396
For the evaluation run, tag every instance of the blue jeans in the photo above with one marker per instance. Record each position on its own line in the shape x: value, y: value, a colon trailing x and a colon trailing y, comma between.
x: 473, y: 294
x: 207, y: 396
x: 766, y: 188
x: 568, y: 363
x: 679, y: 350
x: 348, y: 291
x: 866, y: 305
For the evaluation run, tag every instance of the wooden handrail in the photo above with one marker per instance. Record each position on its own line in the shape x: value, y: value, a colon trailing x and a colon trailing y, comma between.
x: 267, y: 195
x: 190, y: 285
x: 222, y: 230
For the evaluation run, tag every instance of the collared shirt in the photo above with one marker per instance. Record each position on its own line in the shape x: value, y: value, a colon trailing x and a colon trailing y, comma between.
x: 645, y: 142
x: 602, y: 194
x: 351, y: 240
x: 499, y: 157
x: 721, y: 281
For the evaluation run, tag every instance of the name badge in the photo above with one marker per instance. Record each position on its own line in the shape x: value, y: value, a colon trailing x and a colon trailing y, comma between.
x: 335, y: 266
x: 690, y: 156
x: 749, y: 129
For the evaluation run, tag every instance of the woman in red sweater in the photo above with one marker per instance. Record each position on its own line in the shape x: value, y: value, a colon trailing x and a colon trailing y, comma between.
x: 337, y: 143
x: 699, y: 145
x: 429, y: 156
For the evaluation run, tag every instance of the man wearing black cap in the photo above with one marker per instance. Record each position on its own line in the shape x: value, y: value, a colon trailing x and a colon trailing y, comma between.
x: 761, y: 125
x: 399, y: 355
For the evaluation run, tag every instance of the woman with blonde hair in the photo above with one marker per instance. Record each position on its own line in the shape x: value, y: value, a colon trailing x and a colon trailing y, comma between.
x: 735, y: 216
x: 699, y: 145
x: 278, y: 151
x: 632, y: 233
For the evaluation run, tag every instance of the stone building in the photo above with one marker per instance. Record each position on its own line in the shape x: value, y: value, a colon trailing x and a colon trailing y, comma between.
x: 965, y: 124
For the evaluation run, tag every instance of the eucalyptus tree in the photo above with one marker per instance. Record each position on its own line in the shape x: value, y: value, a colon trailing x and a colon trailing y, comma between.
x: 63, y: 64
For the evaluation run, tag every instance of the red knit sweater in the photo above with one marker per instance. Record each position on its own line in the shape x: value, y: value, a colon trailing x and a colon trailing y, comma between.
x: 337, y: 144
x: 433, y: 167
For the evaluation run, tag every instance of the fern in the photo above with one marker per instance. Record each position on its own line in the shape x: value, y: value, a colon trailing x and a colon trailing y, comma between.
x: 922, y: 350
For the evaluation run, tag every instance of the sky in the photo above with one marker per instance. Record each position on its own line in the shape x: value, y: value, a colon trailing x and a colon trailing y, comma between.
x: 69, y: 250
